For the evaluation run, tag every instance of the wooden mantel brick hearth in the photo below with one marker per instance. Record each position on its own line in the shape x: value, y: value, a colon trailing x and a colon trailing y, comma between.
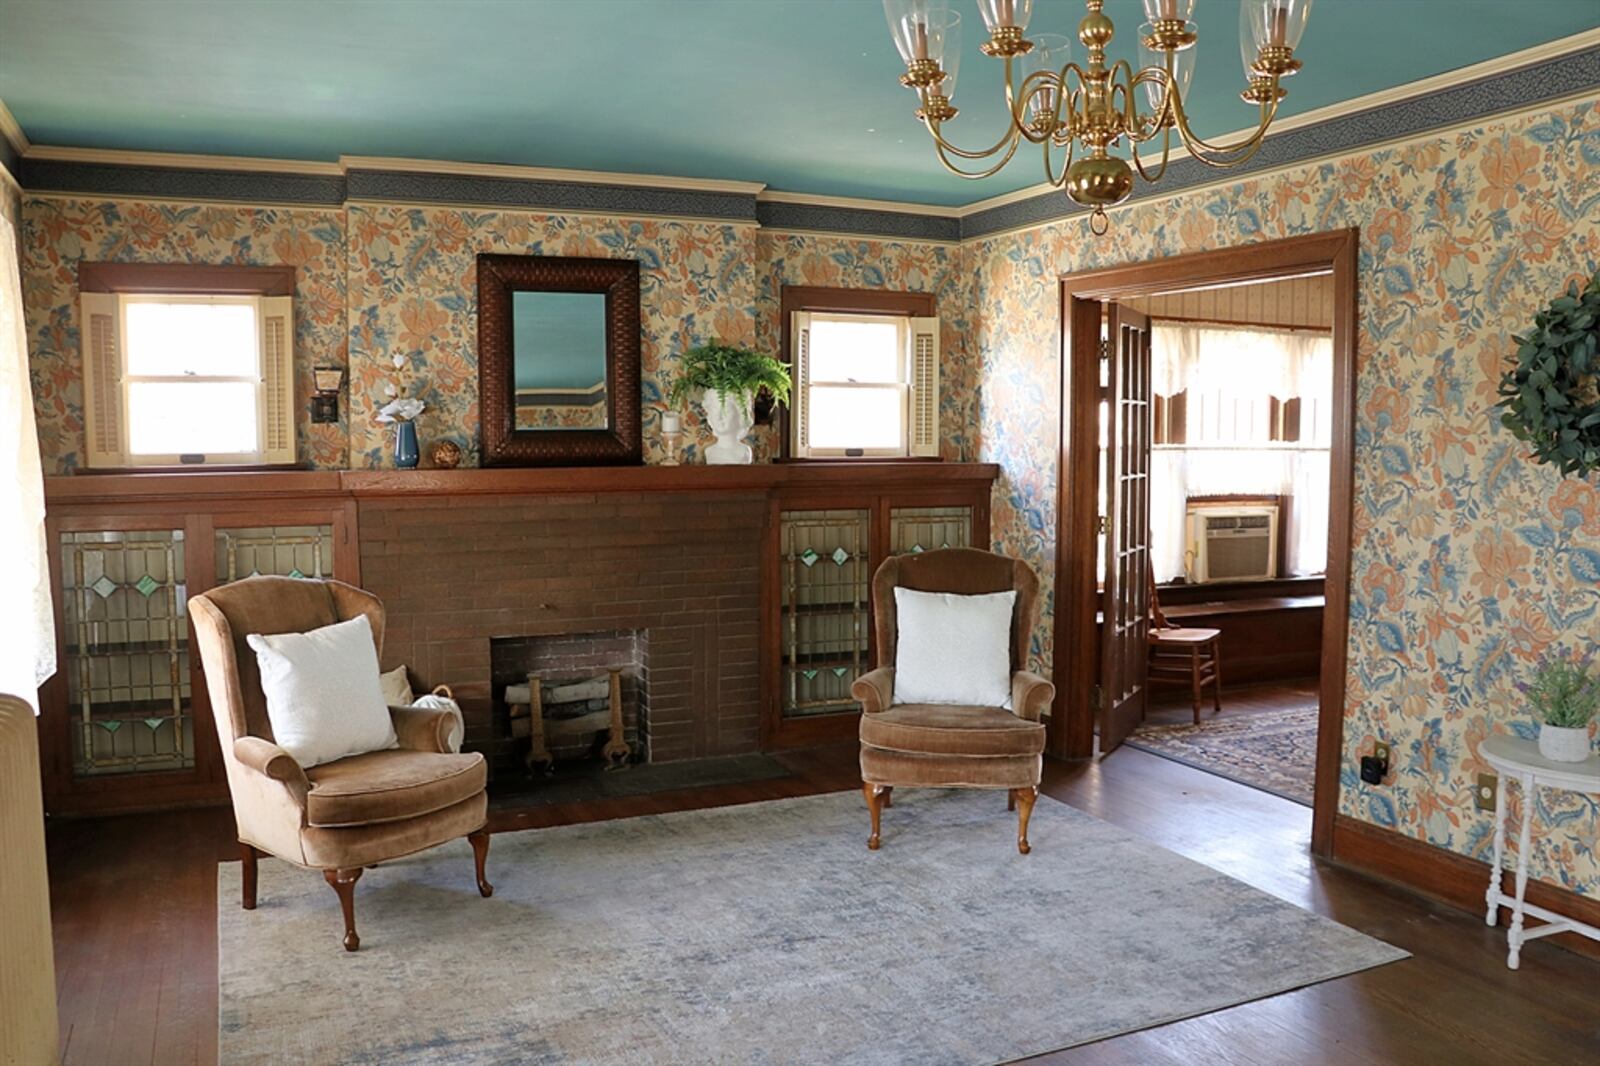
x: 455, y: 572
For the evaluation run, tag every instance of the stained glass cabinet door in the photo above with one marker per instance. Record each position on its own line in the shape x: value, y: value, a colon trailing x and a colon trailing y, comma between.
x: 127, y: 720
x: 822, y: 551
x: 825, y: 572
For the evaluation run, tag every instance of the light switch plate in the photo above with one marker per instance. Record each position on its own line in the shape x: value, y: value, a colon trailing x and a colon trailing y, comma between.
x: 1483, y: 792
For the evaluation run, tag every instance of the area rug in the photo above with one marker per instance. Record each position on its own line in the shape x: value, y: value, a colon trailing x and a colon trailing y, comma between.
x: 1275, y: 751
x: 763, y: 934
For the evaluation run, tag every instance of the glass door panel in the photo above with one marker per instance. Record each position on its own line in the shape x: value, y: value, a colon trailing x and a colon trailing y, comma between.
x: 124, y: 597
x: 287, y: 551
x: 825, y: 574
x: 919, y: 529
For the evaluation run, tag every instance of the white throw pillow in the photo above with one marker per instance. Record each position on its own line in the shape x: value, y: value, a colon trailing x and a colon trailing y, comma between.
x: 953, y: 649
x: 323, y: 695
x: 396, y: 687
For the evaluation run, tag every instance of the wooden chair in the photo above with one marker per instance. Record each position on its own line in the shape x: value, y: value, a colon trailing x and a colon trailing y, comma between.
x: 1175, y: 656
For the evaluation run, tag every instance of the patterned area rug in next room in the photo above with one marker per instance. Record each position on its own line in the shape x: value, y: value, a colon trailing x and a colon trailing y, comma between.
x: 1275, y: 751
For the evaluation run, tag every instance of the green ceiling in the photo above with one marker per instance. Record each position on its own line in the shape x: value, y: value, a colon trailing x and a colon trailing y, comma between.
x: 799, y: 94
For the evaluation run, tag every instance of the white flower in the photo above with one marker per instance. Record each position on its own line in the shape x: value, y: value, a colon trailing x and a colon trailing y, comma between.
x: 401, y: 410
x: 391, y: 391
x: 399, y: 360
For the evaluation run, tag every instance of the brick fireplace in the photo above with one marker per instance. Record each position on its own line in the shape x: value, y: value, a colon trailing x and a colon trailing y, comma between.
x: 566, y: 658
x: 456, y: 573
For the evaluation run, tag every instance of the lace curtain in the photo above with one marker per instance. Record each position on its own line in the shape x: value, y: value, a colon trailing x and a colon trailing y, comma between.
x: 27, y: 622
x: 1230, y: 376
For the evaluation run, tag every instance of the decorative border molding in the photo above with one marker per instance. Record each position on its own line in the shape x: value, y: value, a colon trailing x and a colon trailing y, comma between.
x: 806, y: 217
x: 1546, y: 75
x: 1404, y: 117
x: 416, y: 187
x: 40, y: 173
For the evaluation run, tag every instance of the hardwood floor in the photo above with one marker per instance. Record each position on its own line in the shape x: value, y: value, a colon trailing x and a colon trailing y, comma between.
x: 134, y: 902
x: 1170, y: 706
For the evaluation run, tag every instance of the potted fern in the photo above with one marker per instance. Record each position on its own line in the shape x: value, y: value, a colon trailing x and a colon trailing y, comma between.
x: 1564, y: 697
x: 725, y: 380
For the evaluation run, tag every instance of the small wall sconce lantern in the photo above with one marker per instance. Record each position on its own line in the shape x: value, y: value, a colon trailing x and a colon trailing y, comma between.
x: 325, y: 400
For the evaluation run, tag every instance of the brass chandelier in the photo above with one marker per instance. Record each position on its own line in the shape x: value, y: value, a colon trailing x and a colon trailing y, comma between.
x: 1093, y: 108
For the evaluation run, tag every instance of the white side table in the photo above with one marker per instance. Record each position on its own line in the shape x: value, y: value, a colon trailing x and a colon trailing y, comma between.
x: 1520, y: 759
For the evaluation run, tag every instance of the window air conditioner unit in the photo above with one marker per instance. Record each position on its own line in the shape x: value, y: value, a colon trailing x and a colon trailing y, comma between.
x: 1229, y: 542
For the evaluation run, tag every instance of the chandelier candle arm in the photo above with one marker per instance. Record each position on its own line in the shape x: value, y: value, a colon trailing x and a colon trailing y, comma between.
x: 1102, y: 114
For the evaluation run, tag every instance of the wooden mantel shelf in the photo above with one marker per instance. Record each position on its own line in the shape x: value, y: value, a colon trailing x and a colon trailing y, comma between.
x: 101, y: 489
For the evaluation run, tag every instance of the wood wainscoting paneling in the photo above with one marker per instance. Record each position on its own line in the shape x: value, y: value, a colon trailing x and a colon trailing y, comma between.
x: 1450, y: 878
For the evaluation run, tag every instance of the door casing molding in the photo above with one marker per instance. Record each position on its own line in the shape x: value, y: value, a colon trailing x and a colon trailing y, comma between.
x: 1073, y: 664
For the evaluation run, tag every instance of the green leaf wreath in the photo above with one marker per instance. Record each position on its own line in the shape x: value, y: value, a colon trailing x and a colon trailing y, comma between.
x: 1551, y: 393
x: 722, y: 368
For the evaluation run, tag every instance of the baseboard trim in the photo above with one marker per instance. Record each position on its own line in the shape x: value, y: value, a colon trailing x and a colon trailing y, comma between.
x: 1450, y: 878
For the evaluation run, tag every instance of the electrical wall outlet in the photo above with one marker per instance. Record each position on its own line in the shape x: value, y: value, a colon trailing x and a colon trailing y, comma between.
x: 1380, y: 748
x: 1483, y: 793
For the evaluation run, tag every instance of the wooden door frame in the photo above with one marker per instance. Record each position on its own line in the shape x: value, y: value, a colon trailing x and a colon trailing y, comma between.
x: 1082, y: 296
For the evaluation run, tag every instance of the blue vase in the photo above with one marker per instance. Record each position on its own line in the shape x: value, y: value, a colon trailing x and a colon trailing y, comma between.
x: 406, y: 454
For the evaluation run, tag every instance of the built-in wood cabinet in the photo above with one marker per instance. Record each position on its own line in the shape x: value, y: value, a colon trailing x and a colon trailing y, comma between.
x: 822, y: 550
x: 126, y: 723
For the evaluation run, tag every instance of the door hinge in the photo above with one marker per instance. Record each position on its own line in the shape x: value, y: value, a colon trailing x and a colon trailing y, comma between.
x: 1103, y: 525
x: 1105, y: 348
x: 1097, y: 698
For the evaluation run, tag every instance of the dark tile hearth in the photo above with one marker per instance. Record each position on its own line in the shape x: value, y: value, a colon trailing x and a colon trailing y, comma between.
x: 578, y: 782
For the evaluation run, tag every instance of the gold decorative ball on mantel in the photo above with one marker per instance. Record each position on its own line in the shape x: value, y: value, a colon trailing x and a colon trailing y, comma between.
x: 445, y: 454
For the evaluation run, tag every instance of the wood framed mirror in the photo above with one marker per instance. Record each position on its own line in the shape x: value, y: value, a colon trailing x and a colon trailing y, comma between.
x: 558, y: 361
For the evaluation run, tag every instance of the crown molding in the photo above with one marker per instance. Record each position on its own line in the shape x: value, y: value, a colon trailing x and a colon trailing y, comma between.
x: 11, y: 131
x: 116, y: 157
x: 557, y: 175
x: 1512, y: 61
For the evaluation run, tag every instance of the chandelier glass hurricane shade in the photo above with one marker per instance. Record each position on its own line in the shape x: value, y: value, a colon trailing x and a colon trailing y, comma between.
x: 1079, y: 113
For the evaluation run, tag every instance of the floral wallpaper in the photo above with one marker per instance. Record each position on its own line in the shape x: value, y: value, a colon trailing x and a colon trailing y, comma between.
x: 58, y: 233
x: 905, y: 266
x: 380, y: 284
x: 1470, y: 563
x: 413, y: 293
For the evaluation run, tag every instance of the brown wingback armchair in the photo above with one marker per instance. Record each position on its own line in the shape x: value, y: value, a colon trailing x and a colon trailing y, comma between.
x: 342, y: 816
x: 947, y: 745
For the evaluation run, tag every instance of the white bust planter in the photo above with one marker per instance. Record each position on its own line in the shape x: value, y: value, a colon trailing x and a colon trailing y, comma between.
x: 1563, y: 743
x: 730, y: 419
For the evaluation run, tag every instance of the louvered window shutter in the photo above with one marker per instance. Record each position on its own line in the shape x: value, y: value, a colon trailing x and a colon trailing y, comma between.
x: 277, y: 379
x: 100, y: 331
x: 925, y: 386
x: 800, y: 395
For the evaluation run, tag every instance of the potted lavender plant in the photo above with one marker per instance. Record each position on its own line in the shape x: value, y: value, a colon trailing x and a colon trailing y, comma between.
x: 1564, y: 696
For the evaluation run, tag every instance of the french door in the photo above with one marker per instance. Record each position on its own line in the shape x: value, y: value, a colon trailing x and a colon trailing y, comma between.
x: 1125, y: 603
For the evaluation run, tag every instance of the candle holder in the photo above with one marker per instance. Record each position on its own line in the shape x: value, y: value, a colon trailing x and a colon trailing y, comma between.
x: 671, y: 436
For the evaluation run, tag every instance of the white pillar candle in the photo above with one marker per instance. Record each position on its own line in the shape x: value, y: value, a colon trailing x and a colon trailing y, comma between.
x: 671, y: 422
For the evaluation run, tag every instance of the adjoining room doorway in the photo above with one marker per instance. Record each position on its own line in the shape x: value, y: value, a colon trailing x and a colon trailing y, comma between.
x: 1104, y: 579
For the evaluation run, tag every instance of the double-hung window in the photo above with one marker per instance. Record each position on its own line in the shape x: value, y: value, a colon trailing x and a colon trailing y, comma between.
x: 188, y: 379
x: 865, y: 385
